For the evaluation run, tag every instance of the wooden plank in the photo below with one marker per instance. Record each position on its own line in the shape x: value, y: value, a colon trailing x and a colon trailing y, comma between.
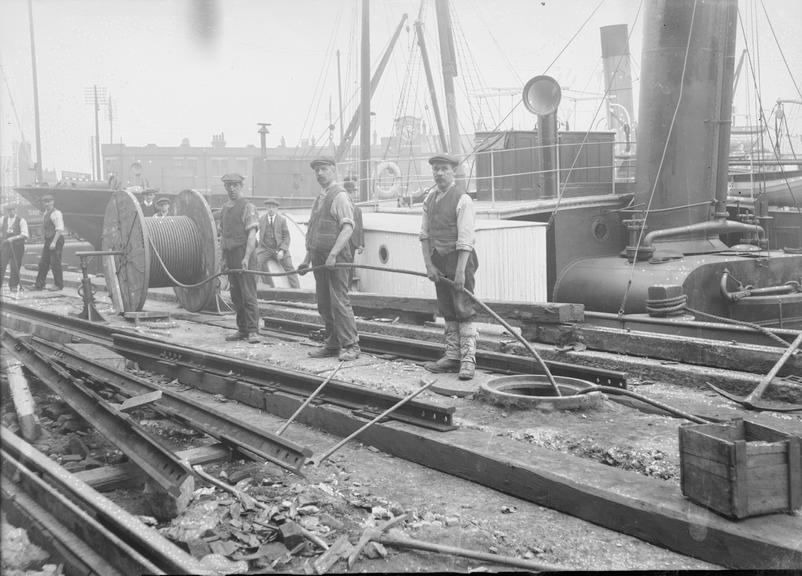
x: 707, y: 490
x: 23, y: 401
x: 794, y: 473
x: 778, y: 456
x: 113, y: 284
x: 135, y: 401
x: 755, y: 431
x: 649, y: 509
x: 740, y: 480
x: 515, y: 313
x: 709, y: 466
x: 112, y: 477
x: 705, y: 446
x: 768, y: 490
x: 699, y: 351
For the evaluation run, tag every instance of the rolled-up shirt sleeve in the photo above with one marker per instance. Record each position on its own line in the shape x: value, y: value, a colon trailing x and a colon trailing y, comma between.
x: 341, y: 210
x: 58, y: 220
x: 424, y: 223
x: 466, y: 234
x: 250, y: 219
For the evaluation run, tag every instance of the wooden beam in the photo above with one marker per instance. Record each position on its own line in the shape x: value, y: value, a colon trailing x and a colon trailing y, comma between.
x: 514, y: 312
x: 112, y: 477
x: 649, y: 509
x: 700, y: 351
x: 23, y: 401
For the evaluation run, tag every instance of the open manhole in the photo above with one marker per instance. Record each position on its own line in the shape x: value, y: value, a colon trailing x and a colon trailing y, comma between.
x: 535, y: 391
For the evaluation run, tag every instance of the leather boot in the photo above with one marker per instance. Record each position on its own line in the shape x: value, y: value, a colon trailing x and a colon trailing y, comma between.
x: 467, y: 349
x: 450, y: 360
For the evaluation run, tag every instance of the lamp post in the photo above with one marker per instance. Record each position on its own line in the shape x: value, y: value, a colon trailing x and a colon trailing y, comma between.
x: 96, y: 95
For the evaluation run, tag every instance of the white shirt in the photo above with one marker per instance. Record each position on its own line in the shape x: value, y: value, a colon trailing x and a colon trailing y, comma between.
x: 23, y: 227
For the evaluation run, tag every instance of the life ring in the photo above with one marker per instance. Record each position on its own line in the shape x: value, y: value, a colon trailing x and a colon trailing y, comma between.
x: 385, y: 170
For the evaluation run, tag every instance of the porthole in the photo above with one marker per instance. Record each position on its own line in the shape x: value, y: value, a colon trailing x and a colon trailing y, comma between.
x: 384, y: 254
x: 600, y: 230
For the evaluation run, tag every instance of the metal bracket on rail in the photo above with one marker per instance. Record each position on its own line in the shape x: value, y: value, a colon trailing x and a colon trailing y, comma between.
x: 87, y: 291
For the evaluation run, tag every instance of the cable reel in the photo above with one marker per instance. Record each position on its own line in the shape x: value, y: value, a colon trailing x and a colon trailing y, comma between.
x: 186, y: 244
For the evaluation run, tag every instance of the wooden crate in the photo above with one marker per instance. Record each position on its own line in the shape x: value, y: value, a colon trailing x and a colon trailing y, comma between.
x: 740, y: 469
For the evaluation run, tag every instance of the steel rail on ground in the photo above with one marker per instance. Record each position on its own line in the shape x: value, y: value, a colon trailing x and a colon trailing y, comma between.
x: 253, y: 442
x: 83, y: 528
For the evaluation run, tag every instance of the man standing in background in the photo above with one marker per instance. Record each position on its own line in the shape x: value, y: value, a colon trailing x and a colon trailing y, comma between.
x: 274, y: 243
x: 14, y: 233
x: 53, y: 231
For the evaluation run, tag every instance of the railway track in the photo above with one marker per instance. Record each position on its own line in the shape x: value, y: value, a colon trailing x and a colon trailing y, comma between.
x: 80, y: 527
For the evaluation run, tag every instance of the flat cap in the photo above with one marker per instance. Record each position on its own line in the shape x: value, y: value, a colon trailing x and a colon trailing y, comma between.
x: 443, y: 159
x: 47, y: 198
x: 150, y: 191
x: 321, y: 160
x: 163, y: 201
x: 233, y: 177
x: 272, y: 201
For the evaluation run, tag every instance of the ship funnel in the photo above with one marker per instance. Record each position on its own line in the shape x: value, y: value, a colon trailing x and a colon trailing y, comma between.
x: 684, y: 118
x: 541, y: 96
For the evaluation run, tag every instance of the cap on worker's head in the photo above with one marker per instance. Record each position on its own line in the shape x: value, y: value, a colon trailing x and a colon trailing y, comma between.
x: 443, y: 159
x: 161, y: 201
x: 321, y: 161
x: 47, y: 198
x: 271, y: 202
x: 233, y: 177
x: 150, y: 192
x: 10, y: 207
x: 136, y: 163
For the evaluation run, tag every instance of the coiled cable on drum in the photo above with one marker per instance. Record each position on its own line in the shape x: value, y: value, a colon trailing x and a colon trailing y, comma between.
x: 176, y: 250
x: 666, y: 306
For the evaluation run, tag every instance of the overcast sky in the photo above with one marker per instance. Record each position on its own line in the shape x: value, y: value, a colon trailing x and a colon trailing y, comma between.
x: 175, y: 70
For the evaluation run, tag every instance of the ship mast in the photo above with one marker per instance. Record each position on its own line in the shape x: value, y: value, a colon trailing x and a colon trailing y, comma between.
x: 38, y: 163
x: 364, y: 129
x: 449, y: 64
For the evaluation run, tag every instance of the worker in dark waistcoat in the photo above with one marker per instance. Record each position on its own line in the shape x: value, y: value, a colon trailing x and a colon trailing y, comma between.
x: 274, y: 243
x: 239, y: 225
x: 53, y: 231
x: 14, y: 233
x: 331, y: 224
x: 447, y: 240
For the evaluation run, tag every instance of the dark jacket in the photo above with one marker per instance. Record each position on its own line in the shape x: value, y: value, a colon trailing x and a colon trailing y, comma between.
x: 281, y: 233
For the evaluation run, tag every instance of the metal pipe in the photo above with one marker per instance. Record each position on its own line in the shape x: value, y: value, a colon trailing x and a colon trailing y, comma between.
x: 711, y: 226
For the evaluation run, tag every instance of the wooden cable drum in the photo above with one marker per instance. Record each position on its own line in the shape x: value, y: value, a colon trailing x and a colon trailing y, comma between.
x: 186, y: 243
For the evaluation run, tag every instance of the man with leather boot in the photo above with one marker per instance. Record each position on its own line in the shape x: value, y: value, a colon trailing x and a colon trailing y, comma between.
x: 239, y: 224
x: 447, y: 239
x: 331, y: 224
x: 50, y: 259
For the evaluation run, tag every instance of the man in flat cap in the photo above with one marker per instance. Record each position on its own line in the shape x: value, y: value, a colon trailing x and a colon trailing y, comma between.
x: 14, y: 232
x: 53, y: 231
x: 447, y: 239
x: 239, y: 224
x: 148, y: 204
x: 136, y: 181
x: 331, y: 224
x: 274, y: 243
x: 162, y: 207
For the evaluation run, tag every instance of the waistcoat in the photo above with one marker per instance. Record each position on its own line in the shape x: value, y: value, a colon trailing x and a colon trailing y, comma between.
x: 17, y: 228
x: 323, y: 229
x: 231, y: 221
x: 443, y: 231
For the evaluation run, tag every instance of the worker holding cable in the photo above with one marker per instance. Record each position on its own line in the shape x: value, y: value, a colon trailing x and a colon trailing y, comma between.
x: 239, y: 225
x: 328, y: 235
x: 447, y: 239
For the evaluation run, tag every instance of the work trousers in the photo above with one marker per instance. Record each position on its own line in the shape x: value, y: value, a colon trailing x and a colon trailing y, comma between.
x: 11, y: 256
x: 453, y: 305
x: 50, y: 260
x: 266, y: 254
x: 333, y: 304
x: 243, y: 292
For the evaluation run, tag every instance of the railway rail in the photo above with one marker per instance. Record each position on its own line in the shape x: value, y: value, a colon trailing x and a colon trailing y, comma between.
x: 83, y: 529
